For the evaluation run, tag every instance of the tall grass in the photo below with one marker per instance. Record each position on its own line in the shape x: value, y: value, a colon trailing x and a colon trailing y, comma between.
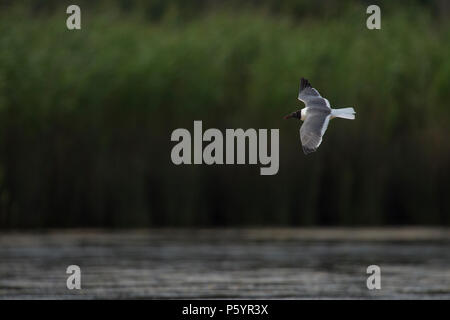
x: 86, y: 118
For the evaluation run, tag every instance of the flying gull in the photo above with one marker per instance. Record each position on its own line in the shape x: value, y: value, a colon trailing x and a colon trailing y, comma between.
x: 315, y: 116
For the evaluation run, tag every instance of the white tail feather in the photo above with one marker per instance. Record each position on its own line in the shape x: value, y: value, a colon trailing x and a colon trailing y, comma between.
x: 345, y: 113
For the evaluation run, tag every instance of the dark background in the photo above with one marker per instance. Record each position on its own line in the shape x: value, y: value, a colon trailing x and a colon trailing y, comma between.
x: 86, y: 116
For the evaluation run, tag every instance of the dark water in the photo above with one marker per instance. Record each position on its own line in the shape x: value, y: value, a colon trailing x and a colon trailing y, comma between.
x: 258, y: 263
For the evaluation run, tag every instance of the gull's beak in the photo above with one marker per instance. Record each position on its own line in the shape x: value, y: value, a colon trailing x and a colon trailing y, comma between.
x: 288, y: 116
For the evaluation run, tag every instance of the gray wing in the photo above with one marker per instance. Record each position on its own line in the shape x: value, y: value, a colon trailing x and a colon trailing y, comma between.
x: 311, y: 97
x: 313, y: 129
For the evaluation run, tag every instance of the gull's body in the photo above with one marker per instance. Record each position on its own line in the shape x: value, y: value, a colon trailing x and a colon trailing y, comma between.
x: 315, y: 116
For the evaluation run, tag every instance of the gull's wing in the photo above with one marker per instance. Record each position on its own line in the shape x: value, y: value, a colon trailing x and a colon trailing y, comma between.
x: 313, y: 129
x: 311, y: 97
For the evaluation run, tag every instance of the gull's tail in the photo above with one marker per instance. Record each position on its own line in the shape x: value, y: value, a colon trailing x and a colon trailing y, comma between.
x: 345, y: 113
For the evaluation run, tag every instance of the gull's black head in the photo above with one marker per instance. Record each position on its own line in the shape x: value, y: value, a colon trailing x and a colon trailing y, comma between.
x: 296, y: 115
